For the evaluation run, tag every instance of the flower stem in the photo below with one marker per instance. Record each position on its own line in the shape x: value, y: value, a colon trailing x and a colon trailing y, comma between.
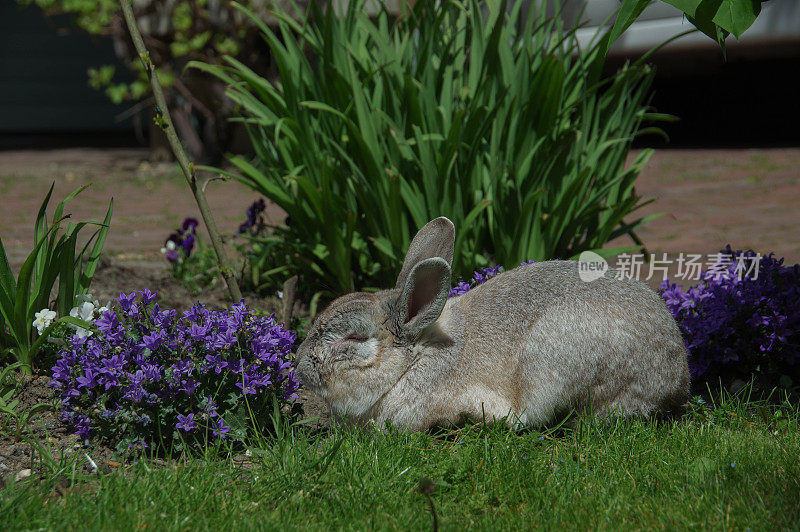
x: 164, y: 120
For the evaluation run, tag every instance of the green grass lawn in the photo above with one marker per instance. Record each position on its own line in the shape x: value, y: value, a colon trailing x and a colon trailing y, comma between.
x: 735, y: 465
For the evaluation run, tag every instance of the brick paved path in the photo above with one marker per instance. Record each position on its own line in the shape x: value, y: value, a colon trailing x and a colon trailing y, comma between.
x: 749, y: 198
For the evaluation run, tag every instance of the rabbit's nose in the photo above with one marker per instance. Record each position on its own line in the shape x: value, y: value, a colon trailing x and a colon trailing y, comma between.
x: 304, y: 371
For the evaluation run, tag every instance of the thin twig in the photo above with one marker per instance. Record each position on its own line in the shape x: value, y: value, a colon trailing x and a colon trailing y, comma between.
x: 219, y: 177
x: 186, y: 93
x: 124, y: 115
x: 164, y: 120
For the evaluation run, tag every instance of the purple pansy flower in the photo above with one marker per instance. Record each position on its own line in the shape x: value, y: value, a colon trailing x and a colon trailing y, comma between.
x: 172, y: 255
x: 189, y: 224
x: 254, y: 220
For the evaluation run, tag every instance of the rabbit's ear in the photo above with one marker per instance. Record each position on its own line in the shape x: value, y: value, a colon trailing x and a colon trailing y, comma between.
x: 436, y: 239
x: 423, y: 296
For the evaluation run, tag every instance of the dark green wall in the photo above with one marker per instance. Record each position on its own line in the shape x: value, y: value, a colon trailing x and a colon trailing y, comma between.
x: 43, y: 81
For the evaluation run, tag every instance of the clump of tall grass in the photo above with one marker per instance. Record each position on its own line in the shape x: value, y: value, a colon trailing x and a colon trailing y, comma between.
x: 491, y: 116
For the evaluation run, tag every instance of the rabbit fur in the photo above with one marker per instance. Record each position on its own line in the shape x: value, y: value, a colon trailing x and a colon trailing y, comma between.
x: 527, y: 347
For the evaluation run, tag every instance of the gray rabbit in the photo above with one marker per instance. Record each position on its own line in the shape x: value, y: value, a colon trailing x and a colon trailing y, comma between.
x: 527, y: 347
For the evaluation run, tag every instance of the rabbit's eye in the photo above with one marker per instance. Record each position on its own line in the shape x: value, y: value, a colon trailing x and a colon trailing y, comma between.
x: 355, y: 338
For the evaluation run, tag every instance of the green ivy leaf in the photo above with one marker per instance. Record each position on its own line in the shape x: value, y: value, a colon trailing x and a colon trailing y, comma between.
x: 232, y: 399
x: 733, y: 16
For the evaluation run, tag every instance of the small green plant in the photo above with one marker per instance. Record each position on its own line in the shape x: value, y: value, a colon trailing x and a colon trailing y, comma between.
x: 499, y: 121
x: 56, y: 256
x: 191, y: 262
x: 10, y: 415
x: 8, y: 387
x: 256, y: 243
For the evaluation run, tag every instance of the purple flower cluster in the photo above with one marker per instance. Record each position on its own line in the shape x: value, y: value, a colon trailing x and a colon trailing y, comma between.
x: 740, y: 321
x: 479, y: 277
x: 182, y: 240
x: 148, y: 375
x: 255, y: 218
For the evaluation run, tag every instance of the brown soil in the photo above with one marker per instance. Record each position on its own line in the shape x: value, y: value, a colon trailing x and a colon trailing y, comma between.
x: 17, y: 456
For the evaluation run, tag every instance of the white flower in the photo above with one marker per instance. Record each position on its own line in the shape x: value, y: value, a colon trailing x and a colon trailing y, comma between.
x: 84, y: 311
x: 43, y: 319
x: 87, y: 298
x: 169, y: 246
x: 80, y: 332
